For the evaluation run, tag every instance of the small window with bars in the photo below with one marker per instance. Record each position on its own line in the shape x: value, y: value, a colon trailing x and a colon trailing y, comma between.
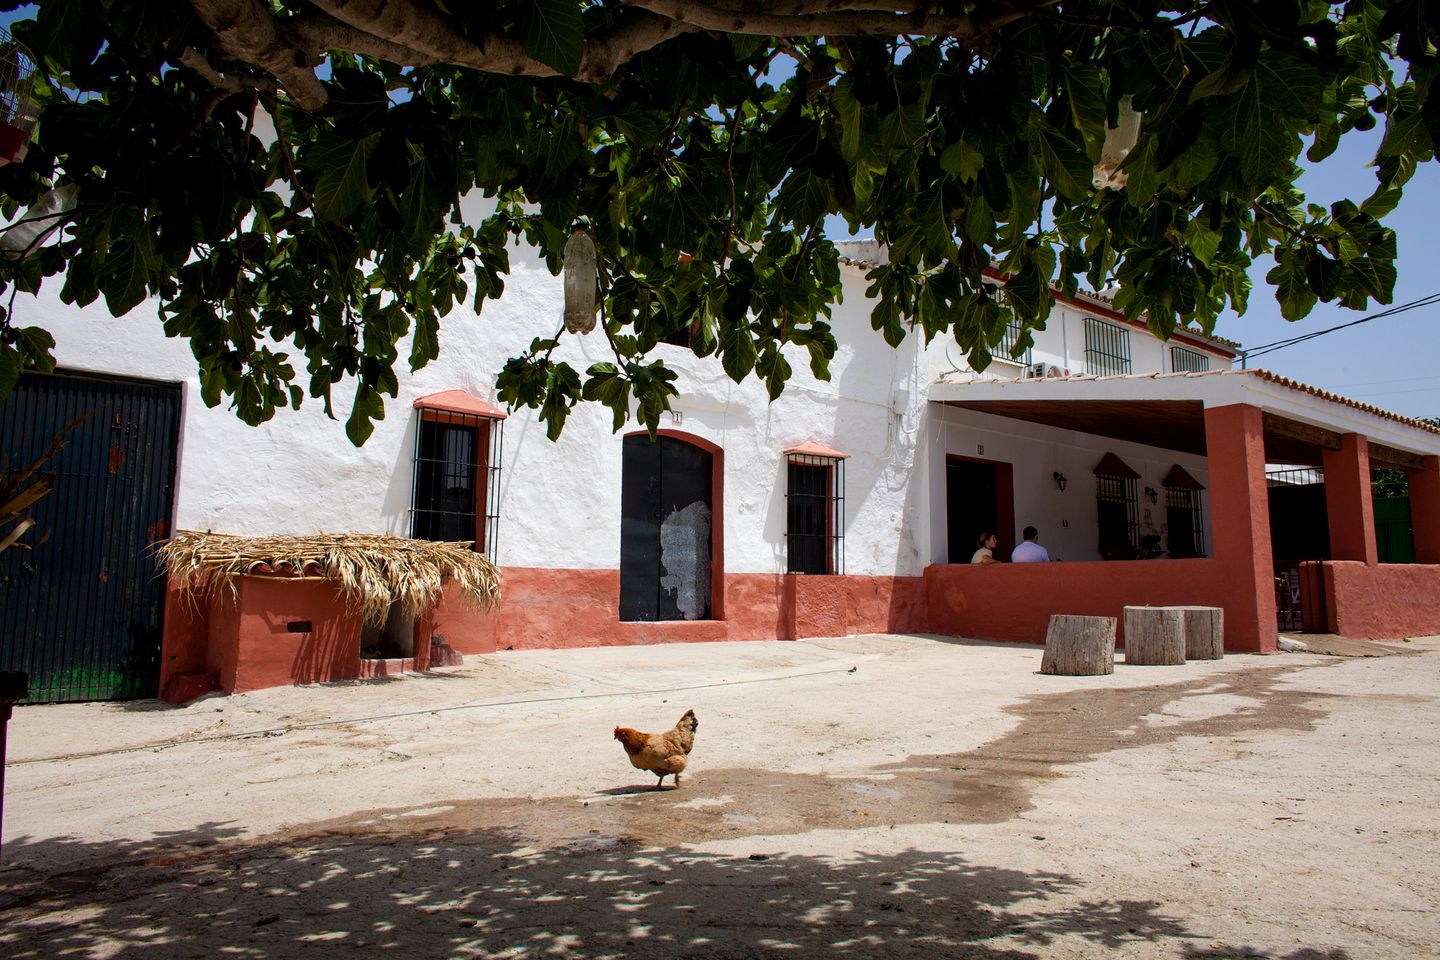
x: 1185, y: 521
x: 457, y: 476
x: 1185, y: 360
x: 1107, y: 348
x: 1117, y: 502
x: 814, y: 514
x: 1005, y: 350
x: 1184, y: 514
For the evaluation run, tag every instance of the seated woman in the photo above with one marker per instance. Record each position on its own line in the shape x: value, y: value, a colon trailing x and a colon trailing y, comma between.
x: 986, y: 548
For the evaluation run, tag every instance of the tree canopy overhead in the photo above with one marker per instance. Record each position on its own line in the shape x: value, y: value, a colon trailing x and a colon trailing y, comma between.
x: 285, y: 176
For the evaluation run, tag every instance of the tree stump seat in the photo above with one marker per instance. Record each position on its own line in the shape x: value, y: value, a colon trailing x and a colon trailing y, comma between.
x: 1171, y: 635
x: 1079, y: 646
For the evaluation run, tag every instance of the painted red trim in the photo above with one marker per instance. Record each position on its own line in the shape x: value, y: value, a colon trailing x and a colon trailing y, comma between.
x: 458, y: 401
x: 717, y: 516
x: 1183, y: 336
x: 815, y: 450
x: 1007, y: 535
x: 483, y: 428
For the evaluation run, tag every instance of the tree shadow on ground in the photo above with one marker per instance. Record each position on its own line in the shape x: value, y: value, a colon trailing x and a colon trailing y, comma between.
x: 487, y: 893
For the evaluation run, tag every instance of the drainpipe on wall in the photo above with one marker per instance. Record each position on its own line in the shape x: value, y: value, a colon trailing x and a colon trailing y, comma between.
x: 1065, y: 341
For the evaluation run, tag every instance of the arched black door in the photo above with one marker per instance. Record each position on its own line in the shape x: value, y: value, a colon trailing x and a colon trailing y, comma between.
x: 665, y: 506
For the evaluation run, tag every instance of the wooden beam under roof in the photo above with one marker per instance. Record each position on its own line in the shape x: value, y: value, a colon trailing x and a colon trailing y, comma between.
x: 1383, y: 456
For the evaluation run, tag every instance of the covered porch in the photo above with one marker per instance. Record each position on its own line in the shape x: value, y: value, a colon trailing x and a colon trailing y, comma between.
x: 1238, y: 422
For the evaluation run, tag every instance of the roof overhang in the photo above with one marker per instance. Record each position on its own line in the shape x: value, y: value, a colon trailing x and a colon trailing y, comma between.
x: 1168, y: 411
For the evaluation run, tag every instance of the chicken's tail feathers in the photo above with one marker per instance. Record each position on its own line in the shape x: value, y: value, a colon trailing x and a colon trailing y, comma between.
x: 689, y: 720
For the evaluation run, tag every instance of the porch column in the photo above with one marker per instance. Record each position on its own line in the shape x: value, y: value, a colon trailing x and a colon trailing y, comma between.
x: 1240, y: 518
x: 1425, y: 509
x: 1348, y: 501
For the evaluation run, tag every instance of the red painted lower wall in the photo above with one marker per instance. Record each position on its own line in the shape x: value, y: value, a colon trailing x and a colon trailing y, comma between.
x: 1014, y: 601
x: 551, y: 609
x: 275, y: 631
x: 1382, y: 601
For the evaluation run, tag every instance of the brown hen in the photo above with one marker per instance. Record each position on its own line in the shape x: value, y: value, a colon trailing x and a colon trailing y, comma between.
x: 663, y: 754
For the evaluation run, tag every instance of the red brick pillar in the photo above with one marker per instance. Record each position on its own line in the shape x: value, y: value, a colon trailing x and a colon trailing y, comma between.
x: 1240, y: 519
x: 1349, y: 502
x: 1425, y: 510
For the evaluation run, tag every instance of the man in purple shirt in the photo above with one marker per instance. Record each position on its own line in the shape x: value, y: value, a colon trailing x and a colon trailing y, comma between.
x: 1030, y: 550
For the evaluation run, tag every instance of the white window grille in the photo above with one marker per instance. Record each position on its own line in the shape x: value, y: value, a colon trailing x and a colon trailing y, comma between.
x: 1185, y: 360
x: 1107, y: 348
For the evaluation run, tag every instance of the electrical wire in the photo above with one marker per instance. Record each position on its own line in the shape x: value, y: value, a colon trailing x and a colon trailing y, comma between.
x: 1265, y: 348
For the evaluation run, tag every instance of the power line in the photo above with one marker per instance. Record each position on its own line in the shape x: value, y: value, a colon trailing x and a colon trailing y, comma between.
x: 1265, y: 348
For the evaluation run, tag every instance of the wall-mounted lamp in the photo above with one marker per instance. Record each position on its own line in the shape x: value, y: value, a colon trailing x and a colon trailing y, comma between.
x: 1060, y: 480
x: 1152, y: 493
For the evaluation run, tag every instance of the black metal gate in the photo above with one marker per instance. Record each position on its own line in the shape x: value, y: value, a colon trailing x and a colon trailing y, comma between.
x: 665, y: 522
x: 80, y: 611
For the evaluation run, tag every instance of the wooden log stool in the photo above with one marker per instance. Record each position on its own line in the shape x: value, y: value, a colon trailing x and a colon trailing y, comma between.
x: 1079, y: 646
x: 1204, y: 633
x: 1154, y: 636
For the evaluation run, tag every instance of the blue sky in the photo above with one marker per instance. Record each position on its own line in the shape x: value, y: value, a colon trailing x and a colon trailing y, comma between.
x: 1393, y: 362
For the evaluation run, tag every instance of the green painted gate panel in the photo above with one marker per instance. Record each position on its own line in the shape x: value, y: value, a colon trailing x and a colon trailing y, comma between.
x: 80, y: 611
x: 1394, y: 538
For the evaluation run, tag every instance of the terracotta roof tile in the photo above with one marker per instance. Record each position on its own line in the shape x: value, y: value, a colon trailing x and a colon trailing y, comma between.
x: 1268, y: 377
x: 1323, y: 394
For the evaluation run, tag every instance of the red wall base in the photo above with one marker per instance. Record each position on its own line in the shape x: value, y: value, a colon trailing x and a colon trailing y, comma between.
x: 1383, y: 601
x: 276, y: 631
x: 1014, y: 601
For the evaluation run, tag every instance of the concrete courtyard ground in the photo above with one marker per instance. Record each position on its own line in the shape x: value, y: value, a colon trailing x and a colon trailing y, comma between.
x: 878, y: 796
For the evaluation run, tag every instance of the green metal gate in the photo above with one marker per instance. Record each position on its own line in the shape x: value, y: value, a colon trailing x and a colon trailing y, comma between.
x: 1394, y: 538
x: 80, y: 610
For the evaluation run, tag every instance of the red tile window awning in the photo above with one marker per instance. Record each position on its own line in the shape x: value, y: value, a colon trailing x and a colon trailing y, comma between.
x: 1180, y: 479
x: 1112, y: 466
x: 814, y: 450
x: 458, y: 401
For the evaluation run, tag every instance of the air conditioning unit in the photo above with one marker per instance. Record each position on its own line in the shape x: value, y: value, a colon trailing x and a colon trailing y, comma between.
x: 1038, y: 370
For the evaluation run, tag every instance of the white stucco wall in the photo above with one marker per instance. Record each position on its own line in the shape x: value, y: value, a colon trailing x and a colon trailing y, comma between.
x: 559, y: 502
x: 1062, y: 344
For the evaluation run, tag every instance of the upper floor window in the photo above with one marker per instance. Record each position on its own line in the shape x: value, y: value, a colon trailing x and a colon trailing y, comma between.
x: 1005, y: 350
x: 1117, y: 501
x: 1185, y: 360
x: 1184, y: 517
x: 457, y: 471
x: 1107, y: 348
x: 814, y: 510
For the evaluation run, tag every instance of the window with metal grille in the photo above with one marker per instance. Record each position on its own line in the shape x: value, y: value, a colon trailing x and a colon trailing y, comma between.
x: 457, y: 475
x: 1117, y: 501
x: 1185, y: 360
x: 1107, y: 348
x: 1186, y: 522
x: 1184, y: 516
x: 815, y: 514
x: 1005, y: 350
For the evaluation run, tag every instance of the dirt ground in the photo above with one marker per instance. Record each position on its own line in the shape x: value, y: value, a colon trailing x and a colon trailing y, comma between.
x: 879, y: 796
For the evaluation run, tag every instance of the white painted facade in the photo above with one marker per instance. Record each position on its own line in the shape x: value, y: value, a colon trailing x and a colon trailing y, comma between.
x: 559, y: 503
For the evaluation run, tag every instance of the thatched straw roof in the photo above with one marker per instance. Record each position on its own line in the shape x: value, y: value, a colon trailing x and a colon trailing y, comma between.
x: 373, y: 570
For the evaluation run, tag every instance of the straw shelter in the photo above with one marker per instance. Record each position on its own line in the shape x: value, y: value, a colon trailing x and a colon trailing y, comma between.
x: 373, y: 571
